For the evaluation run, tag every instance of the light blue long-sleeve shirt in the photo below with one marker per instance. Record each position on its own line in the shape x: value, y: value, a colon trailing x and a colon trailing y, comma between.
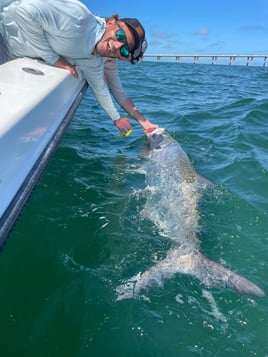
x: 48, y: 29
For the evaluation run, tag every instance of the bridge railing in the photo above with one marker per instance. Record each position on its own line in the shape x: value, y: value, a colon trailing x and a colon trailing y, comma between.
x: 214, y: 57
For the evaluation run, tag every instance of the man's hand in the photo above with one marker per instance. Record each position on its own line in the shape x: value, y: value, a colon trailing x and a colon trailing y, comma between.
x: 123, y: 124
x: 148, y: 127
x: 62, y: 63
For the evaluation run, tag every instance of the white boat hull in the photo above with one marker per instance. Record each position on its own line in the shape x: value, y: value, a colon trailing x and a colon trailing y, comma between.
x: 37, y: 101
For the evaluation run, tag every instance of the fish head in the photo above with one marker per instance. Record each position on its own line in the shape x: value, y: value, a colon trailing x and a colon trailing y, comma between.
x: 157, y: 138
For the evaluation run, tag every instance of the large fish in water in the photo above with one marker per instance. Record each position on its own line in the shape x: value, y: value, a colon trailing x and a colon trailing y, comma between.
x: 172, y: 205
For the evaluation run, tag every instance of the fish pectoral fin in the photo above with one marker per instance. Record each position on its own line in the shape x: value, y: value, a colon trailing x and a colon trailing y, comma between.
x: 203, y: 181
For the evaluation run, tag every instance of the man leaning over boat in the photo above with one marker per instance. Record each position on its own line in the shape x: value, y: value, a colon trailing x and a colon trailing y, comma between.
x: 65, y: 34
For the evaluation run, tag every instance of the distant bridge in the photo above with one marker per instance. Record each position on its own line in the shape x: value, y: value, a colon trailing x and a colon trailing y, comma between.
x: 214, y: 58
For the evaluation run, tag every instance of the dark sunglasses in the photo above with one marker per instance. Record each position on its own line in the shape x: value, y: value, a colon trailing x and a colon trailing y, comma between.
x: 121, y: 37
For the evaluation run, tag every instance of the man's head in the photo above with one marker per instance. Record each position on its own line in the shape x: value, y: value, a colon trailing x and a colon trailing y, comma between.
x: 123, y: 39
x: 139, y: 34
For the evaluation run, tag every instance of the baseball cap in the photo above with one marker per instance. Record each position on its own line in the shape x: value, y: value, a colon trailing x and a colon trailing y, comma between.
x: 140, y: 40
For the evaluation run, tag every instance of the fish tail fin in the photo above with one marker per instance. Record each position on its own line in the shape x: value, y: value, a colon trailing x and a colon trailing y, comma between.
x: 209, y: 273
x: 214, y: 274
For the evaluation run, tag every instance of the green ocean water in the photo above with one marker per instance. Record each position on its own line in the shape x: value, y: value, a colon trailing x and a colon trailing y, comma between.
x: 81, y: 234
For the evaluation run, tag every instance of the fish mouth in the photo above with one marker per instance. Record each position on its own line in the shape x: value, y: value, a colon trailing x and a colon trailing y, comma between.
x: 157, y: 131
x: 156, y: 138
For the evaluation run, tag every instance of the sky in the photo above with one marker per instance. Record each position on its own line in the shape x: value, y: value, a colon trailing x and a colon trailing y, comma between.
x: 195, y: 26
